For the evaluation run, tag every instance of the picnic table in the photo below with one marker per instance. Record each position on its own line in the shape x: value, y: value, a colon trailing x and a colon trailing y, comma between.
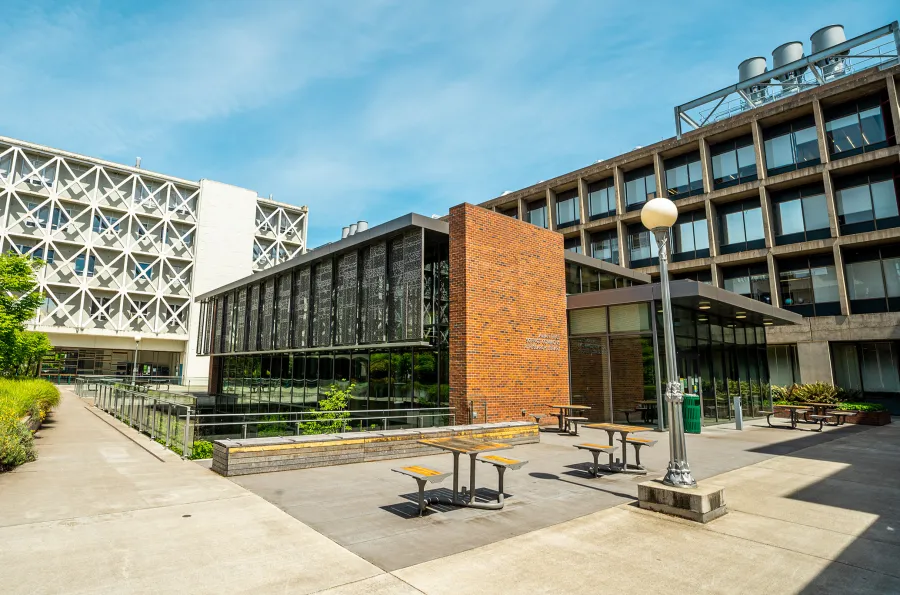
x: 564, y: 411
x: 473, y: 448
x: 819, y: 408
x: 795, y: 411
x: 648, y: 409
x: 624, y: 430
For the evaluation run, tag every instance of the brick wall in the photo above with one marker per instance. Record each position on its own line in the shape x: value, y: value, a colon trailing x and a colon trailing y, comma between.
x: 508, y: 329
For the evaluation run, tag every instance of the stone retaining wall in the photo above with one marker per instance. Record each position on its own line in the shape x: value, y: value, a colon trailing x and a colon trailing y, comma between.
x: 263, y: 455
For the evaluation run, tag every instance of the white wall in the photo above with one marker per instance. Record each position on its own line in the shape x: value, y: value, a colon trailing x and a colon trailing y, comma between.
x: 223, y: 252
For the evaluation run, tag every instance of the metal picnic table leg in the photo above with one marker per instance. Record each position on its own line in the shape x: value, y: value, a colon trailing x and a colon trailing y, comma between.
x: 624, y: 451
x: 472, y: 477
x: 610, y: 435
x: 455, y: 477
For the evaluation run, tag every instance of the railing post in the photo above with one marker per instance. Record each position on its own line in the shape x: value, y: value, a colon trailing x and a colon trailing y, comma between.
x: 168, y: 424
x: 244, y: 431
x: 187, y: 427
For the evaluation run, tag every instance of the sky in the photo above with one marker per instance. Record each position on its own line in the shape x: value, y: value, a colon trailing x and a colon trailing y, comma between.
x: 374, y: 109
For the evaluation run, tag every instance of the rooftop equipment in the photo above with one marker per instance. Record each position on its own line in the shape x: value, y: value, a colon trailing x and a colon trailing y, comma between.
x: 353, y: 229
x: 832, y: 56
x: 785, y: 54
x: 345, y: 231
x: 828, y: 37
x: 748, y: 69
x: 362, y: 226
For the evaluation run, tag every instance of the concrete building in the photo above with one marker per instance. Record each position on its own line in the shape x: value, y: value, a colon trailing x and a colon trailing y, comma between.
x: 127, y: 249
x: 787, y: 190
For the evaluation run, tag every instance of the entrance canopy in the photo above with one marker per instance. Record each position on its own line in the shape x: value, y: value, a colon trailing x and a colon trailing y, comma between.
x: 617, y: 359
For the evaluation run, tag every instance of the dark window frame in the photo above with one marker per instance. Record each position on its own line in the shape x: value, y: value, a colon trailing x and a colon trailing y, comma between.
x: 609, y: 186
x: 686, y: 160
x: 564, y: 197
x: 807, y: 263
x: 734, y: 207
x: 791, y: 128
x: 798, y: 193
x: 732, y: 146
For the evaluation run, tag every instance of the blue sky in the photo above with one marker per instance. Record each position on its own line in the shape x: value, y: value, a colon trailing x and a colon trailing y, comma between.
x: 369, y: 110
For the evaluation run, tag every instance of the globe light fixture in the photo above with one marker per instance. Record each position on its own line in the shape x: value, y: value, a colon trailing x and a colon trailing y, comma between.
x: 658, y: 215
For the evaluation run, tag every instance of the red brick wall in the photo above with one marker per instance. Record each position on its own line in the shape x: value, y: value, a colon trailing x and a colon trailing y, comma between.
x: 508, y: 330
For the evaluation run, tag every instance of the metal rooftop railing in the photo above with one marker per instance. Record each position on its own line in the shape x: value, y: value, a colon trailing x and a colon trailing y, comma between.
x: 870, y: 50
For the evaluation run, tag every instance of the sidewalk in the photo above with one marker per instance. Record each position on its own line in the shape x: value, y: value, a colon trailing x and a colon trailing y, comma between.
x: 99, y: 513
x: 104, y: 510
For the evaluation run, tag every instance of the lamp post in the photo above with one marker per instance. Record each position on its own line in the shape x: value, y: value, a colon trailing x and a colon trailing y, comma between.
x: 137, y: 347
x: 659, y: 215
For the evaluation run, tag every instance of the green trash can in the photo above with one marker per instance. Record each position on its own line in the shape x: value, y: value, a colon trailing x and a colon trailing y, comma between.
x: 691, y: 413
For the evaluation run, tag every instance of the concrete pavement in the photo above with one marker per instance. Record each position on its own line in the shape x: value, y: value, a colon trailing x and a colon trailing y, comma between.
x: 98, y: 512
x: 103, y: 510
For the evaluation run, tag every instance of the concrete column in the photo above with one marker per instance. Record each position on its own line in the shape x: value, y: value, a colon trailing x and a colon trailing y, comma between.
x: 712, y: 225
x: 841, y: 279
x: 583, y: 201
x: 622, y: 232
x: 759, y: 149
x: 716, y: 272
x: 660, y: 170
x: 551, y: 209
x: 894, y: 104
x: 520, y: 205
x: 766, y: 208
x: 831, y: 203
x: 620, y: 190
x: 706, y: 165
x: 585, y: 242
x: 820, y: 131
x: 774, y: 285
x: 814, y: 361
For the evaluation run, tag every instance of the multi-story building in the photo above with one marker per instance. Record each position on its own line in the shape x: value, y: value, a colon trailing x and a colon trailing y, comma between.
x: 787, y: 190
x: 127, y: 249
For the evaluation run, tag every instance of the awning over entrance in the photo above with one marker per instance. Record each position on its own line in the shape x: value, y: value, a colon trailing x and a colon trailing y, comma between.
x: 694, y: 296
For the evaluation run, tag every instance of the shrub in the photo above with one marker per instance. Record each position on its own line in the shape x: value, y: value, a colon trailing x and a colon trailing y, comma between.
x: 862, y: 407
x: 19, y: 398
x: 332, y: 413
x: 814, y: 392
x: 202, y: 449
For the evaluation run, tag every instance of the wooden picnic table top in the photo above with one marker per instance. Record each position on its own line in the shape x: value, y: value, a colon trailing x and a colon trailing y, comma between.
x: 793, y: 406
x: 618, y: 427
x: 647, y: 402
x: 464, y: 445
x: 579, y: 407
x: 818, y: 404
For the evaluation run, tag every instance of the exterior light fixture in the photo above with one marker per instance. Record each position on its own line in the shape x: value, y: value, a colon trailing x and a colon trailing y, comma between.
x: 768, y: 322
x: 704, y: 306
x: 741, y: 315
x: 658, y: 215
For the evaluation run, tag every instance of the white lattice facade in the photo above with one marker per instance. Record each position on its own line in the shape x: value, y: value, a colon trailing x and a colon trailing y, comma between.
x: 121, y: 245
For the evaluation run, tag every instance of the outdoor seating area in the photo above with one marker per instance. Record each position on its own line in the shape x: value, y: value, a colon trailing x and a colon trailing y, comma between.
x: 812, y: 413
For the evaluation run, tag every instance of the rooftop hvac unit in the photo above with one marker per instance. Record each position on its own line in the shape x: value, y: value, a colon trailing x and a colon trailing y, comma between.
x: 748, y: 69
x: 345, y: 231
x: 361, y: 226
x: 785, y: 54
x: 825, y: 38
x: 353, y: 228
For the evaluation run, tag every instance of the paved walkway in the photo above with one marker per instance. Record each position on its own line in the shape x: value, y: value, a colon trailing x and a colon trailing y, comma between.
x: 100, y: 513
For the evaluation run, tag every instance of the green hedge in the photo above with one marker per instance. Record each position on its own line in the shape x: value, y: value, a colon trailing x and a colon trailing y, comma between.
x: 19, y: 398
x: 848, y: 406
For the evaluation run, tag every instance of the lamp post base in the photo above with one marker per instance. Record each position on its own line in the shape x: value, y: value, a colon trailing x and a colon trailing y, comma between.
x: 679, y: 477
x: 700, y: 504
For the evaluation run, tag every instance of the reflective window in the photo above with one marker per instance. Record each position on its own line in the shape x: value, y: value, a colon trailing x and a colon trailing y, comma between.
x: 602, y: 199
x: 536, y: 213
x: 801, y: 214
x: 143, y: 270
x: 684, y: 175
x: 640, y: 186
x: 856, y: 127
x: 642, y: 248
x: 80, y: 263
x: 791, y: 145
x: 867, y: 202
x: 568, y: 209
x: 691, y: 236
x: 701, y: 276
x: 740, y: 226
x: 871, y: 366
x: 733, y: 162
x: 573, y: 244
x: 605, y: 246
x: 809, y: 285
x: 510, y: 212
x: 873, y: 279
x: 750, y: 281
x: 783, y: 368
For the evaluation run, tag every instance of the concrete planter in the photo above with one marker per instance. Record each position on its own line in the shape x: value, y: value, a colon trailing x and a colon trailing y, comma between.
x: 865, y: 418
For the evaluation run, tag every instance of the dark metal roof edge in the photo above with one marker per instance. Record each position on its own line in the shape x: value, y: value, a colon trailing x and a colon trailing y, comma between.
x: 344, y: 244
x: 678, y: 289
x: 607, y: 267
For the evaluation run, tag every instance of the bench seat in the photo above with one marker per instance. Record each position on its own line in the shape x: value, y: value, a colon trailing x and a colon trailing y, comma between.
x: 423, y: 475
x: 574, y: 420
x: 501, y: 464
x: 596, y: 450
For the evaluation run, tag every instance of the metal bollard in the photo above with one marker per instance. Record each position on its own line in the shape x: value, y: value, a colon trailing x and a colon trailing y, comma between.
x: 738, y: 414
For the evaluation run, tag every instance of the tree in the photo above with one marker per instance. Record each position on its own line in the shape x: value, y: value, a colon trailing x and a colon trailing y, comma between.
x: 21, y: 351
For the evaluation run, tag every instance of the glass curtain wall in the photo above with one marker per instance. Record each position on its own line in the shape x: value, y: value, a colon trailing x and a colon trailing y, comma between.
x: 801, y: 214
x: 857, y: 127
x: 809, y: 285
x: 605, y: 245
x: 868, y: 201
x: 691, y: 236
x: 568, y: 209
x: 792, y: 145
x: 740, y: 227
x: 640, y: 186
x: 873, y: 279
x: 733, y: 162
x: 602, y: 199
x: 536, y: 213
x: 684, y: 175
